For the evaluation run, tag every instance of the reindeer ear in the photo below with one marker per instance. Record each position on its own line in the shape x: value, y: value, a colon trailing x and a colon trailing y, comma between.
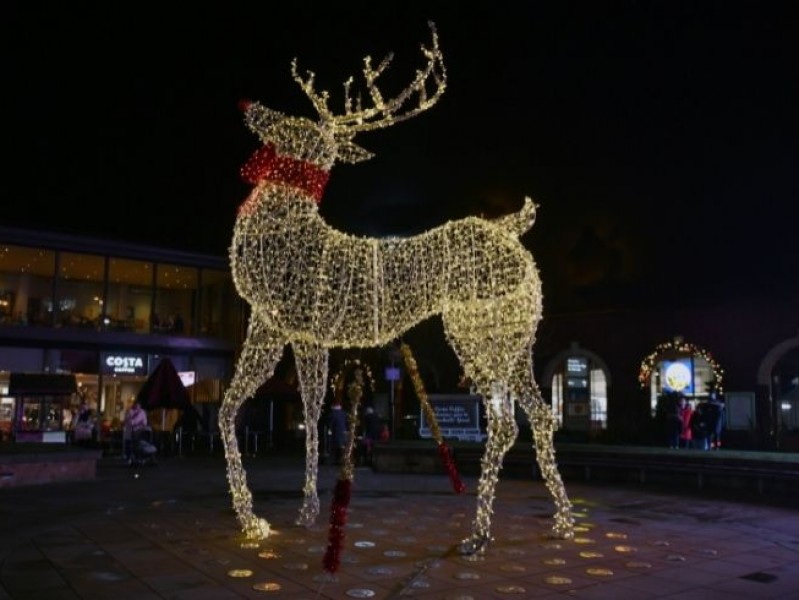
x: 352, y: 153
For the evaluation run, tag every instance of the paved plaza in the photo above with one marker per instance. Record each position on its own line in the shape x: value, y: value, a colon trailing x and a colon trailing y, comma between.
x: 169, y: 532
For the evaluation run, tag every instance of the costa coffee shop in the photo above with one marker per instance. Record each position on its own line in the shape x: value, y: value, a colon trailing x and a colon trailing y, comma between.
x: 105, y: 313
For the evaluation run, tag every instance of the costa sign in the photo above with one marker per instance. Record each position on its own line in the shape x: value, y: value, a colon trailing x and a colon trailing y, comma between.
x: 132, y: 364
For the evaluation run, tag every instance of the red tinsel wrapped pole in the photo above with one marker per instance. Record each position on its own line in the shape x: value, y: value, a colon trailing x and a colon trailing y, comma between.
x: 338, y: 519
x: 449, y: 465
x: 343, y: 490
x: 444, y: 452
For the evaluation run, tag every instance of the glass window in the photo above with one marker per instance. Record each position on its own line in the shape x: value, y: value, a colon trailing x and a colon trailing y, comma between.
x: 79, y: 291
x: 218, y: 297
x: 175, y: 296
x: 26, y: 286
x: 130, y: 293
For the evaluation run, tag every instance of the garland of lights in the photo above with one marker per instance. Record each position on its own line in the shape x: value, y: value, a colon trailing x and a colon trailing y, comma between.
x: 648, y: 364
x: 317, y: 288
x: 443, y: 450
x: 337, y: 381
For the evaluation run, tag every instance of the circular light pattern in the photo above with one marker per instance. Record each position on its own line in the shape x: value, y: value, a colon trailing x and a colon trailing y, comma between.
x: 585, y: 554
x: 513, y: 568
x: 557, y: 580
x: 554, y: 562
x: 581, y: 529
x: 325, y: 577
x: 364, y: 544
x: 316, y: 288
x: 473, y: 557
x: 625, y: 549
x: 638, y: 564
x: 239, y: 573
x: 380, y: 571
x: 599, y: 572
x: 250, y: 545
x: 467, y: 576
x: 661, y: 543
x: 268, y: 554
x: 553, y: 546
x: 616, y: 536
x: 583, y: 541
x: 675, y: 558
x: 360, y: 593
x: 267, y: 586
x: 511, y: 589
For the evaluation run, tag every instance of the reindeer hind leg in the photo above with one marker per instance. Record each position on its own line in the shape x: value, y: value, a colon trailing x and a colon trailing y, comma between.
x: 543, y: 424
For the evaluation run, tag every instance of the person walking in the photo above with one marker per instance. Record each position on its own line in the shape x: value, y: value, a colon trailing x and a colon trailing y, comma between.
x: 715, y: 421
x: 673, y: 422
x: 699, y: 429
x: 338, y: 432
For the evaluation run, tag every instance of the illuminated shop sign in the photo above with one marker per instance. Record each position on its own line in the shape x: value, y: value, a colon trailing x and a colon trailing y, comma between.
x: 678, y: 376
x: 119, y: 363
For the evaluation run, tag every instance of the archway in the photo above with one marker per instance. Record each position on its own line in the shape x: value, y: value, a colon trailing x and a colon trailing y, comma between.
x: 578, y: 380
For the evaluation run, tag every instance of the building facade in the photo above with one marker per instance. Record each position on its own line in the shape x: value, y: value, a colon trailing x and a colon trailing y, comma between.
x: 106, y: 313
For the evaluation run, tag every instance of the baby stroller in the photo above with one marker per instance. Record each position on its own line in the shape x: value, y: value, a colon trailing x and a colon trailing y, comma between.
x: 142, y: 449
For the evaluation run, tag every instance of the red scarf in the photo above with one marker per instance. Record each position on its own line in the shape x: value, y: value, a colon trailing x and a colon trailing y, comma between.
x: 267, y: 165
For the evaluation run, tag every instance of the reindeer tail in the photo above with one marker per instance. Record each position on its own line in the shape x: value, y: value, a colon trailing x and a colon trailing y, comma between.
x: 519, y: 222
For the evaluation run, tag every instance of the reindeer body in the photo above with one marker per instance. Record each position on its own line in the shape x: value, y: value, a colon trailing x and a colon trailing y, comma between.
x: 375, y: 289
x: 317, y: 288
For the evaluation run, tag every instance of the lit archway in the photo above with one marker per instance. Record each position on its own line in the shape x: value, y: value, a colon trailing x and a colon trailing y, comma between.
x: 681, y: 367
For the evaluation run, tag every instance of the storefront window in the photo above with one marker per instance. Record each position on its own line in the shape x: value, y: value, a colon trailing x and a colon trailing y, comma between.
x: 26, y: 286
x: 175, y: 294
x: 79, y: 291
x: 217, y: 294
x: 130, y: 292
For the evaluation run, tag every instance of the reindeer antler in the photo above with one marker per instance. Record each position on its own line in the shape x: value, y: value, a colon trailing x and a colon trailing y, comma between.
x: 383, y: 113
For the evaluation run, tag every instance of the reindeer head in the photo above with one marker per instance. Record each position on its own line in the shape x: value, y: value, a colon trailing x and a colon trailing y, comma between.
x: 330, y: 139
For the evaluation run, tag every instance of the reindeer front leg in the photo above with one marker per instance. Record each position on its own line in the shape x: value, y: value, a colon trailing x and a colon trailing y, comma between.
x: 257, y: 361
x: 311, y: 360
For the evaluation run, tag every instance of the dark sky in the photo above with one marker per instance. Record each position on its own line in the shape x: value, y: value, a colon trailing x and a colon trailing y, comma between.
x: 660, y: 139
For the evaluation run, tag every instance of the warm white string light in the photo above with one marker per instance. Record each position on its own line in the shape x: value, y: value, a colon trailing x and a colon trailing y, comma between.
x: 318, y: 288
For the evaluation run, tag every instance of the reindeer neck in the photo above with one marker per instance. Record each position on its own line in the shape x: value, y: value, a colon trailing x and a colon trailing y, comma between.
x: 266, y: 165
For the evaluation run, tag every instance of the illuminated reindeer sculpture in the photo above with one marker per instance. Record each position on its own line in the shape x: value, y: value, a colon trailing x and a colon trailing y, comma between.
x: 317, y: 288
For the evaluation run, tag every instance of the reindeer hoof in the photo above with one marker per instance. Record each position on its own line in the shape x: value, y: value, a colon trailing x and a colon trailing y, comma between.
x: 474, y: 545
x: 564, y: 531
x: 258, y: 530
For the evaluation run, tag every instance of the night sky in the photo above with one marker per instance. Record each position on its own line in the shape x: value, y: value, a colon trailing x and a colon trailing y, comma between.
x: 659, y: 139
